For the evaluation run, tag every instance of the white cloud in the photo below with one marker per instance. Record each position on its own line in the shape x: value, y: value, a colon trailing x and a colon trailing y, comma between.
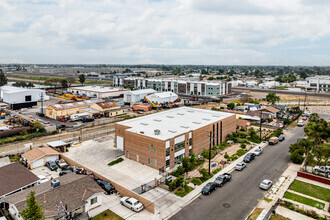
x: 169, y: 31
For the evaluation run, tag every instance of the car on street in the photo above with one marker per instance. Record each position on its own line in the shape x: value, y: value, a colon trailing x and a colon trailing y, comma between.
x: 108, y: 188
x: 240, y: 166
x: 42, y: 178
x: 63, y: 172
x: 51, y: 165
x: 281, y: 138
x: 61, y: 163
x: 304, y: 118
x: 322, y: 169
x: 301, y: 123
x: 266, y: 184
x: 208, y: 188
x: 249, y: 157
x: 258, y: 151
x: 131, y: 203
x: 273, y: 141
x: 222, y: 179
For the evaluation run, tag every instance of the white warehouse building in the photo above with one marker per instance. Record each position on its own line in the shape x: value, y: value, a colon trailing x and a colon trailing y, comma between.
x: 18, y: 97
x: 97, y: 91
x: 163, y: 97
x: 137, y: 95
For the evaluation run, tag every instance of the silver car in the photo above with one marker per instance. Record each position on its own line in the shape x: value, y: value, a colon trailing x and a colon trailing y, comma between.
x: 131, y: 203
x: 266, y: 184
x: 258, y: 151
x: 240, y: 166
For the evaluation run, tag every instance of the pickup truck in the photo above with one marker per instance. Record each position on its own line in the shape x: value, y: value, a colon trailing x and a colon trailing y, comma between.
x: 322, y: 169
x: 61, y: 163
x: 273, y: 141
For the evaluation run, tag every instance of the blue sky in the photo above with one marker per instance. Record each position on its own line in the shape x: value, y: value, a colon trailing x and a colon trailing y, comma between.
x: 218, y: 32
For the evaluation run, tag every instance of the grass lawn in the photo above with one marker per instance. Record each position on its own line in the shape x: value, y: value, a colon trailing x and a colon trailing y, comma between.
x: 278, y: 217
x: 304, y: 200
x: 311, y: 190
x: 254, y: 215
x: 109, y: 216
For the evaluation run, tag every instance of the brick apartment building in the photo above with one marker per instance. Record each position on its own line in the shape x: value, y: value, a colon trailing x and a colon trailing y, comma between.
x: 162, y: 139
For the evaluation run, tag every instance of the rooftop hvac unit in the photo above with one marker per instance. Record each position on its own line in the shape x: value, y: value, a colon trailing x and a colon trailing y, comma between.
x: 55, y: 184
x: 157, y: 132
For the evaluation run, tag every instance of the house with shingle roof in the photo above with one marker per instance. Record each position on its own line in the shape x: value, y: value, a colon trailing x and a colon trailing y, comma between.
x: 15, y: 177
x: 76, y: 194
x: 38, y: 156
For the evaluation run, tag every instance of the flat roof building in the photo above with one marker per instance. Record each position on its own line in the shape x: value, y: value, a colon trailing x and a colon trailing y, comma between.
x: 97, y: 91
x: 162, y: 139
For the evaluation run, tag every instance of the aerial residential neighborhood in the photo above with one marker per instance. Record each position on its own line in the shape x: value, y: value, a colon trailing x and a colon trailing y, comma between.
x: 164, y: 110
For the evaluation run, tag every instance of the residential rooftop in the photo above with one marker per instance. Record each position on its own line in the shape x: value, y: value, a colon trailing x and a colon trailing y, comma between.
x: 174, y: 122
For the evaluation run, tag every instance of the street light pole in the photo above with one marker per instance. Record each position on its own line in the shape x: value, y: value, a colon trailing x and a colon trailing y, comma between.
x: 260, y: 124
x: 210, y: 153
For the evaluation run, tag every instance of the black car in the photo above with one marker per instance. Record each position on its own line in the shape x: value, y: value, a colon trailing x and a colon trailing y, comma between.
x: 52, y: 165
x: 109, y: 189
x: 249, y: 157
x: 281, y: 138
x: 222, y: 179
x: 208, y: 188
x: 65, y: 172
x: 87, y: 119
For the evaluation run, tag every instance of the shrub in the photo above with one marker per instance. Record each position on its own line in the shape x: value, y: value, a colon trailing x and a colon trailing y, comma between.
x: 240, y: 152
x: 205, y: 174
x: 241, y: 135
x: 243, y: 146
x: 223, y: 145
x: 115, y: 161
x: 222, y: 107
x: 187, y: 189
x: 296, y: 157
x: 206, y: 155
x: 241, y: 140
x: 226, y: 156
x: 176, y: 183
x: 242, y: 129
x: 196, y: 181
x: 215, y: 171
x: 215, y: 147
x: 178, y: 172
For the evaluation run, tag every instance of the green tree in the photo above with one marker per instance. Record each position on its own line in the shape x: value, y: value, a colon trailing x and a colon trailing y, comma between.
x: 231, y: 105
x: 272, y: 98
x: 82, y: 79
x: 64, y: 83
x: 33, y: 210
x: 177, y: 71
x: 3, y: 79
x: 70, y: 81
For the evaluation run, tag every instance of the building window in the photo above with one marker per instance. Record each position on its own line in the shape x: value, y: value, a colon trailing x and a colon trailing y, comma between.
x: 190, y: 141
x: 28, y: 98
x: 93, y: 200
x: 167, y: 152
x: 168, y: 163
x: 149, y: 148
x: 155, y: 150
x: 179, y: 146
x: 155, y: 162
x: 149, y: 160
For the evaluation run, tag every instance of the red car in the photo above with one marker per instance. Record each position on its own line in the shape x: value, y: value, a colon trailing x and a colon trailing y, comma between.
x: 304, y: 118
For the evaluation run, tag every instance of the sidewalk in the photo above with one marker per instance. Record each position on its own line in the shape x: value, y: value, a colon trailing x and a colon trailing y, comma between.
x: 291, y: 214
x: 181, y: 202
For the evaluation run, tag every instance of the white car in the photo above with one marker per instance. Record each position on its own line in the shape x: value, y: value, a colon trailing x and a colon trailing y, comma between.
x: 258, y: 151
x: 42, y: 178
x: 131, y: 203
x: 322, y: 169
x: 266, y: 184
x: 240, y: 166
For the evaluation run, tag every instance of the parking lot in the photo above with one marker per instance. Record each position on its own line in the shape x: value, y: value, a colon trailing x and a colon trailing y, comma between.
x: 96, y: 154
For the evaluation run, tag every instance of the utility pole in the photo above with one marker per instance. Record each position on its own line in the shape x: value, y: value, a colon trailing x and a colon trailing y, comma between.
x: 305, y: 101
x: 260, y: 124
x: 210, y: 153
x: 42, y: 104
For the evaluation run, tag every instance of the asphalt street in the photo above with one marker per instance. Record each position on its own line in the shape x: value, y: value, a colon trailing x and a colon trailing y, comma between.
x: 237, y: 198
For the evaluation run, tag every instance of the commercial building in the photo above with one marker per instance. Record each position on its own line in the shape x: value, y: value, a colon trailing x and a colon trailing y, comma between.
x: 202, y: 88
x: 163, y: 97
x: 162, y: 139
x: 318, y: 83
x: 137, y: 95
x: 18, y: 97
x: 97, y: 91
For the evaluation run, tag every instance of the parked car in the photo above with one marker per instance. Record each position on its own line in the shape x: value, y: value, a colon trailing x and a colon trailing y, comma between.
x: 240, y: 166
x: 61, y: 163
x: 258, y: 151
x: 273, y: 141
x: 87, y: 119
x: 208, y: 188
x: 222, y: 179
x: 281, y: 138
x: 249, y: 157
x: 131, y: 203
x: 109, y: 189
x: 63, y: 172
x: 52, y: 165
x: 266, y: 184
x: 42, y: 178
x: 301, y: 123
x: 322, y: 169
x: 304, y: 118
